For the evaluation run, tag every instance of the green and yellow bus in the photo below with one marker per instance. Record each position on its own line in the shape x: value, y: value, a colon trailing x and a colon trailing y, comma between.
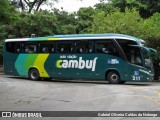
x: 116, y: 58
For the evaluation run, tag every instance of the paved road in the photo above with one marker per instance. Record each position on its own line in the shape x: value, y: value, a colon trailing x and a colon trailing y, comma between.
x: 20, y: 94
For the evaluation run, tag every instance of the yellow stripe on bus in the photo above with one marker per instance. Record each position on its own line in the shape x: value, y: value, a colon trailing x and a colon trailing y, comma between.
x: 53, y: 38
x: 39, y: 63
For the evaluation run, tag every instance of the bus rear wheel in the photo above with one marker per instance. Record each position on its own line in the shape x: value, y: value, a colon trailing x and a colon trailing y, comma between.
x: 34, y: 74
x: 113, y: 78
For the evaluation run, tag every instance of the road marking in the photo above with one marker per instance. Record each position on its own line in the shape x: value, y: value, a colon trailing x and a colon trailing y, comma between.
x: 158, y: 93
x: 156, y: 99
x: 152, y: 99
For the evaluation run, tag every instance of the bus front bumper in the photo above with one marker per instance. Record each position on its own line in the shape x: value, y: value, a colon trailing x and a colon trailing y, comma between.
x: 150, y: 77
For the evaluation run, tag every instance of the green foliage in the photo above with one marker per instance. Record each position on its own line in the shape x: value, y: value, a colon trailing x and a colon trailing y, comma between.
x: 66, y: 23
x: 6, y: 12
x: 1, y: 51
x: 31, y: 5
x: 146, y: 8
x: 106, y: 7
x: 117, y: 22
x: 151, y: 28
x: 84, y: 19
x: 39, y: 23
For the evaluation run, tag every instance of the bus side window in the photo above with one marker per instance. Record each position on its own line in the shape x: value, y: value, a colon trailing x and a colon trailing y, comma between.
x: 53, y: 50
x: 29, y: 48
x: 65, y: 47
x: 84, y: 47
x: 106, y: 47
x: 102, y: 47
x: 46, y: 47
x: 105, y: 50
x: 13, y: 47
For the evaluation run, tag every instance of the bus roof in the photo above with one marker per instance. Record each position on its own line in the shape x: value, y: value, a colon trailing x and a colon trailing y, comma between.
x: 79, y: 37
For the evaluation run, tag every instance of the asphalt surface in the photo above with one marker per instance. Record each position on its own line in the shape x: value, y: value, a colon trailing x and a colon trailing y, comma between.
x: 21, y: 94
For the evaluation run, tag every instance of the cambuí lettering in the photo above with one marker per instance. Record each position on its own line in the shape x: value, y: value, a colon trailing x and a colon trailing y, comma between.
x: 80, y: 64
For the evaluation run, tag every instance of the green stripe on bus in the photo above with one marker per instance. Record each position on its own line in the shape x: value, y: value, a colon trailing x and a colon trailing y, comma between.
x: 29, y: 62
x: 19, y: 64
x: 38, y: 39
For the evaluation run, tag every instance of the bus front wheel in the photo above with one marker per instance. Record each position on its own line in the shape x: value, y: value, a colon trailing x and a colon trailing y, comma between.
x: 34, y: 74
x: 113, y: 78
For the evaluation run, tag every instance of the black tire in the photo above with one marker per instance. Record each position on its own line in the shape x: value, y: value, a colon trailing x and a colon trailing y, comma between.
x: 113, y: 78
x: 122, y: 82
x: 34, y: 74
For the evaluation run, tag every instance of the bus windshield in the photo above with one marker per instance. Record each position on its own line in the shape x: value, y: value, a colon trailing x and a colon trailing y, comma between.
x: 139, y: 56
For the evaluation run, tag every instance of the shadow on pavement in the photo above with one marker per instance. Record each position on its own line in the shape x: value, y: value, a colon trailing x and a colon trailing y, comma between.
x: 84, y: 81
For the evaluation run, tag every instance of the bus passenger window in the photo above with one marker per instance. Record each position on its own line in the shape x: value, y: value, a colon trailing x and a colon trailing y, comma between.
x: 81, y: 50
x: 29, y: 48
x: 106, y: 47
x: 84, y: 47
x: 105, y: 50
x: 18, y: 50
x: 13, y: 47
x: 45, y: 50
x: 65, y: 47
x: 52, y: 50
x: 46, y: 47
x: 72, y: 49
x: 62, y: 50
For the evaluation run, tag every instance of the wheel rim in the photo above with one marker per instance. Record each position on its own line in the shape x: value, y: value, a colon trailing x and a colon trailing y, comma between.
x: 34, y: 75
x: 114, y: 77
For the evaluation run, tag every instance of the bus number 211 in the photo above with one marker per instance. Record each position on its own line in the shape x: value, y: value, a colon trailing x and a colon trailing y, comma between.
x: 136, y: 78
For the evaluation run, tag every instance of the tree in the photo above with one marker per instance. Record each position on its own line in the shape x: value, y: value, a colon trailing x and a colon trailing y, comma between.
x: 66, y: 23
x: 30, y: 5
x: 41, y: 23
x: 117, y: 22
x: 6, y: 12
x: 151, y: 29
x: 84, y: 19
x: 146, y: 8
x: 106, y: 7
x: 1, y: 52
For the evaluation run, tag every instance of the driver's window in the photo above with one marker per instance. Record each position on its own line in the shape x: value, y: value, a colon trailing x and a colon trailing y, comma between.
x: 147, y: 60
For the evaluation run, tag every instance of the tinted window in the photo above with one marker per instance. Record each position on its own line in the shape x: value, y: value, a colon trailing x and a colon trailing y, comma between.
x: 135, y: 56
x: 84, y: 47
x: 29, y: 47
x: 105, y: 47
x: 13, y: 47
x: 65, y: 47
x: 46, y: 47
x: 129, y: 51
x: 125, y: 44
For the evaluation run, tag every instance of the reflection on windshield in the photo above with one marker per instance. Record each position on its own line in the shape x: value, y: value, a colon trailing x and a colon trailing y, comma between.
x: 135, y: 56
x: 147, y: 60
